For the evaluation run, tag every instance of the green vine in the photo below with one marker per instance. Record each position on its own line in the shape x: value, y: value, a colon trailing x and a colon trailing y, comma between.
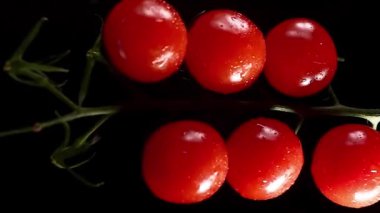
x: 36, y: 74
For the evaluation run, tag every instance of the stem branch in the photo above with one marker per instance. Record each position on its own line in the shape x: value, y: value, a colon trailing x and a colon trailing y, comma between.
x: 84, y: 112
x: 29, y: 39
x: 372, y: 115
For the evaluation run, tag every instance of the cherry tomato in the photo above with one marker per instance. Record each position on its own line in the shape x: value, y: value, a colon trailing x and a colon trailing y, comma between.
x: 302, y: 58
x: 145, y: 39
x: 265, y: 159
x: 226, y: 51
x: 185, y: 162
x: 346, y: 165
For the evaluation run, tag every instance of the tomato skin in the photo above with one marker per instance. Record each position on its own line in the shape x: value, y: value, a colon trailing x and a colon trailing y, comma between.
x: 346, y: 165
x: 302, y: 58
x: 265, y: 159
x: 185, y: 162
x: 145, y: 39
x: 226, y: 51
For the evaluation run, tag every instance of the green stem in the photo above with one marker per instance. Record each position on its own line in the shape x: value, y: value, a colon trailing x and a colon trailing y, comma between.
x: 67, y: 132
x: 85, y: 137
x: 84, y: 180
x: 333, y: 96
x: 299, y: 125
x: 372, y: 115
x: 91, y: 58
x: 58, y: 94
x: 29, y: 39
x: 33, y: 73
x: 84, y: 112
x: 44, y: 82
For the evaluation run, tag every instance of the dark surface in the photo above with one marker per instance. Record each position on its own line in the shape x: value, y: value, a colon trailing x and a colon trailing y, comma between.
x: 26, y: 175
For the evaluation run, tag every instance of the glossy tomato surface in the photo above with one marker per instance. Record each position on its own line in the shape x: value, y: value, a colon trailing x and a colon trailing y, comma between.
x: 145, y: 39
x: 226, y: 51
x: 302, y: 58
x: 346, y: 165
x: 265, y: 159
x: 185, y: 162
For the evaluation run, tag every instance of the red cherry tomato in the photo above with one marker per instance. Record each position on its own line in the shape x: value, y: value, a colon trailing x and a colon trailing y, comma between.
x: 145, y: 39
x: 185, y: 162
x: 302, y: 58
x: 346, y: 165
x: 265, y: 159
x: 226, y: 51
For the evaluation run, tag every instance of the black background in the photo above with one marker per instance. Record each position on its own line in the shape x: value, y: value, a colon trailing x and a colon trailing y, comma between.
x: 28, y: 178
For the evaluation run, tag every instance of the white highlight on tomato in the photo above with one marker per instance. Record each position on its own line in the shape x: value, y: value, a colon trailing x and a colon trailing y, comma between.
x: 194, y: 136
x: 153, y: 10
x: 206, y: 184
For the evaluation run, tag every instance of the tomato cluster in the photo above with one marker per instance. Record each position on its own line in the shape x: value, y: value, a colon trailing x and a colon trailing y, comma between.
x: 188, y: 161
x: 225, y: 52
